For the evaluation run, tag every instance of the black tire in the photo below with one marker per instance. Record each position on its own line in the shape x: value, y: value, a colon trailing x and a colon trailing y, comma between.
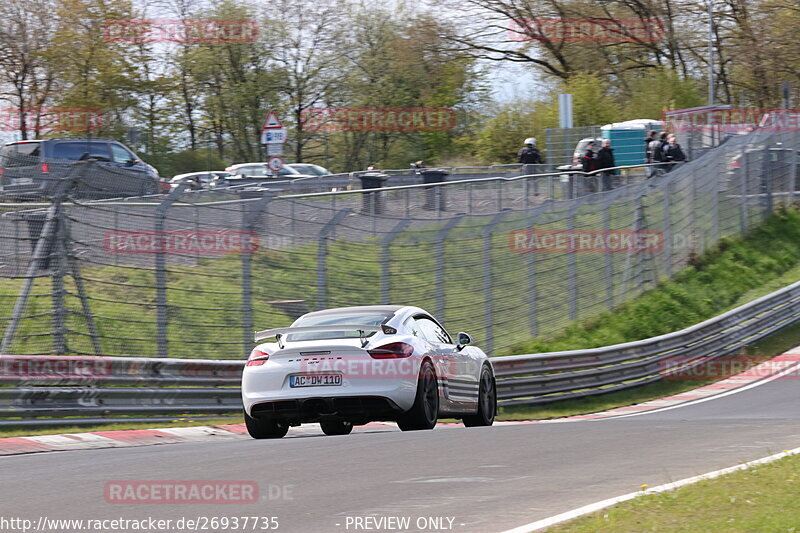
x: 336, y: 427
x: 425, y: 412
x: 487, y: 401
x: 265, y: 429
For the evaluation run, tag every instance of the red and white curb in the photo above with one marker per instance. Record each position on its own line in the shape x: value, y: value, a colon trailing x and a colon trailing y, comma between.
x: 765, y: 372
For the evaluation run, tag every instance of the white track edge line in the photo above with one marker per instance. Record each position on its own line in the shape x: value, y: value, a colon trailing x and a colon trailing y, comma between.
x: 592, y: 507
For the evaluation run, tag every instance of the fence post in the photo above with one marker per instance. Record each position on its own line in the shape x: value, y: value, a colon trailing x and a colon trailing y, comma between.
x: 794, y: 146
x: 532, y: 292
x: 487, y: 278
x: 386, y: 274
x: 250, y: 223
x: 572, y: 268
x: 439, y: 254
x: 667, y: 233
x: 609, y: 261
x: 743, y: 208
x: 59, y: 273
x: 766, y: 181
x: 162, y: 317
x: 322, y: 257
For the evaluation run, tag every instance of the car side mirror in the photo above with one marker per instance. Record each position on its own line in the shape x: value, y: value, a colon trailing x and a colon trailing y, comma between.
x: 463, y: 339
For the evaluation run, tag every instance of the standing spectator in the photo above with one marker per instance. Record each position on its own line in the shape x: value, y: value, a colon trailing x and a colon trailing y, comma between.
x: 589, y: 164
x: 655, y: 152
x: 530, y: 155
x: 673, y: 152
x: 605, y: 159
x: 651, y: 136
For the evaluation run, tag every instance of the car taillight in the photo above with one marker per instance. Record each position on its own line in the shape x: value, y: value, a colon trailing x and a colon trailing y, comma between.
x: 45, y: 168
x: 395, y: 350
x: 257, y: 358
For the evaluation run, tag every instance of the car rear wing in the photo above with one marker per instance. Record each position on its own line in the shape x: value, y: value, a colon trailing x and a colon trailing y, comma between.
x: 267, y: 333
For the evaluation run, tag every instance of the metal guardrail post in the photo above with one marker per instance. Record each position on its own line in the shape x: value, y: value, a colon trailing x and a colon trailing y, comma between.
x: 250, y: 223
x: 322, y: 257
x: 487, y: 277
x: 386, y: 263
x: 439, y: 255
x: 162, y: 316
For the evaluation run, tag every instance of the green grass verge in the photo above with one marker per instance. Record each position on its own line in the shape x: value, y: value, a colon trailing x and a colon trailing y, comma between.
x: 762, y: 498
x: 732, y: 273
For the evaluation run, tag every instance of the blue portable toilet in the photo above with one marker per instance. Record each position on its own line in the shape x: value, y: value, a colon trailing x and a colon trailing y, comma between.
x: 627, y: 139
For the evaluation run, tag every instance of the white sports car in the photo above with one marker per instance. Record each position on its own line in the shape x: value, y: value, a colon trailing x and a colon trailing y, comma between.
x: 353, y: 365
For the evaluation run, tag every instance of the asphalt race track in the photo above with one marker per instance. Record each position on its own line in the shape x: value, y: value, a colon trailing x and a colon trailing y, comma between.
x: 486, y: 479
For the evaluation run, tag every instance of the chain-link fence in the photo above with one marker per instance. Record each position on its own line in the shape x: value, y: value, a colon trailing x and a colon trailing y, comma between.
x: 193, y: 274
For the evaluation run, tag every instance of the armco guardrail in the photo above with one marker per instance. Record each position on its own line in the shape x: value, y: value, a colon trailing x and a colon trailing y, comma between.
x: 48, y: 388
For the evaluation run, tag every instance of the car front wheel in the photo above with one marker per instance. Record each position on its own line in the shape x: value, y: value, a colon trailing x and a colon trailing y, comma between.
x: 487, y: 401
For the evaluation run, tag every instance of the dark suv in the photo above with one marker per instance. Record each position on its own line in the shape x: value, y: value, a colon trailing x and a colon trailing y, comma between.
x: 33, y: 169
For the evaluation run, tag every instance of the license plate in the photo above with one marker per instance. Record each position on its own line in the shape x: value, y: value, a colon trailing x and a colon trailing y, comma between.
x: 315, y: 380
x: 22, y: 181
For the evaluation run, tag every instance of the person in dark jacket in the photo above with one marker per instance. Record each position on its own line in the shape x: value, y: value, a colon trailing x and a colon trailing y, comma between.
x: 530, y: 155
x: 673, y: 152
x: 651, y: 136
x: 588, y: 162
x: 655, y: 153
x: 605, y: 159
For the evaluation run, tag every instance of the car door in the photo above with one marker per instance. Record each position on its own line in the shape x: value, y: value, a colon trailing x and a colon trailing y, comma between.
x: 131, y: 175
x: 97, y: 181
x: 453, y: 366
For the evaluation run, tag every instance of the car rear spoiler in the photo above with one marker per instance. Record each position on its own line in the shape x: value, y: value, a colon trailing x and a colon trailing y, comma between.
x: 267, y: 333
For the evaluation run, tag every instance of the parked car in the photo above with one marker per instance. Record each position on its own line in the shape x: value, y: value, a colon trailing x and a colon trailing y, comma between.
x: 199, y: 180
x: 310, y: 169
x: 32, y: 169
x: 580, y: 149
x: 255, y: 173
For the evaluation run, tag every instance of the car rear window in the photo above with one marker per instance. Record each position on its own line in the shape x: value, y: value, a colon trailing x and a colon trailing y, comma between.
x: 20, y: 154
x: 74, y: 150
x: 348, y: 318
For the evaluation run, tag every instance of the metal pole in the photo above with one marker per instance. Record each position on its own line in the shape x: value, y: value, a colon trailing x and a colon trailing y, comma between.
x: 572, y: 269
x: 162, y: 318
x: 710, y: 52
x: 322, y: 257
x: 386, y: 263
x: 250, y: 223
x: 59, y: 273
x: 440, y: 263
x: 487, y: 278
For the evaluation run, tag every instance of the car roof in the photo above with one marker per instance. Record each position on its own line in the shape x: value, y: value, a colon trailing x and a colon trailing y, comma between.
x: 365, y: 308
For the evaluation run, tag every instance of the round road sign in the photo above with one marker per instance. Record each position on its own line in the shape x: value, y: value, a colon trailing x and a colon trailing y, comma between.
x: 275, y: 164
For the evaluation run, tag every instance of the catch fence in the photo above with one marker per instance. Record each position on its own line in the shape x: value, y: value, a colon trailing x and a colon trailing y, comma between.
x: 193, y: 274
